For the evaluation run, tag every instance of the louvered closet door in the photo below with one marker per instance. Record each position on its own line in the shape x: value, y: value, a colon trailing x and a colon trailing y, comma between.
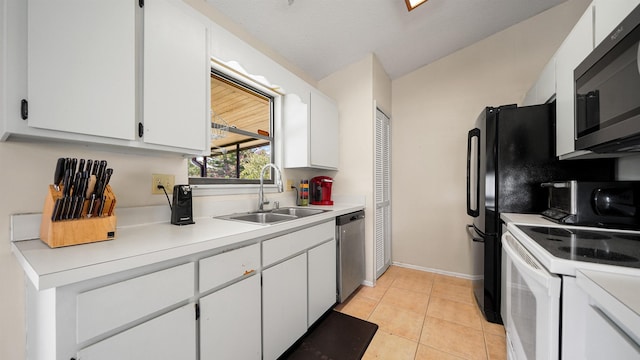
x: 383, y: 193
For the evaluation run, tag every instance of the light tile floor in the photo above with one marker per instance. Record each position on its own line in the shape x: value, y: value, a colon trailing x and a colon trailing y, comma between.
x: 425, y: 316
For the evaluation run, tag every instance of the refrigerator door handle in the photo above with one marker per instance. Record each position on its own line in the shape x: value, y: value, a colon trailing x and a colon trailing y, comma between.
x: 472, y: 233
x: 473, y: 172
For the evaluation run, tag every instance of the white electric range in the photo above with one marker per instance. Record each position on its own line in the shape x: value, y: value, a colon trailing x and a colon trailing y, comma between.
x: 548, y: 290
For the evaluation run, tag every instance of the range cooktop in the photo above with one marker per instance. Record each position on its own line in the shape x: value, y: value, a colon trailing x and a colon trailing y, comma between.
x: 595, y: 246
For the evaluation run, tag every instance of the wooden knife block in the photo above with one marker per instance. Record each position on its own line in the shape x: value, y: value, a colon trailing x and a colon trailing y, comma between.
x: 77, y: 231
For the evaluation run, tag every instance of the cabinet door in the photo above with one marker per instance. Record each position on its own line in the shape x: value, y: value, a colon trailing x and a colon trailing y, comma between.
x: 169, y: 336
x: 81, y: 66
x: 295, y: 132
x: 284, y: 305
x: 604, y: 339
x: 324, y: 123
x: 546, y: 85
x: 577, y: 45
x: 609, y: 13
x: 230, y: 322
x: 322, y: 280
x: 176, y: 77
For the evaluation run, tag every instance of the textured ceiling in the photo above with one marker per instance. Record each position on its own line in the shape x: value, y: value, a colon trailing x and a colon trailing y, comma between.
x: 322, y: 36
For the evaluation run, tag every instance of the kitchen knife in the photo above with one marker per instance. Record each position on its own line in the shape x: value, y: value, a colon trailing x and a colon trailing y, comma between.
x: 84, y: 182
x: 78, y: 195
x: 96, y: 163
x: 96, y: 197
x: 89, y: 163
x: 101, y: 169
x: 66, y: 192
x: 102, y: 182
x: 81, y: 166
x: 66, y: 183
x: 59, y: 173
x: 91, y: 185
x: 74, y: 164
x: 72, y: 208
x: 92, y: 203
x: 103, y: 186
x: 56, y: 210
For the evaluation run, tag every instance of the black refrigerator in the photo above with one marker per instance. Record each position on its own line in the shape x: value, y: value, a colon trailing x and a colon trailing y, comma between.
x: 510, y: 152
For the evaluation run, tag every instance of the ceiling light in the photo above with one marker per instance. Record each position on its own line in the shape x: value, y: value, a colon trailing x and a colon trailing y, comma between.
x: 412, y: 4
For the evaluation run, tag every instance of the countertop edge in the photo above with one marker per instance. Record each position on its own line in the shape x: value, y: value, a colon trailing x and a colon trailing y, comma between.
x: 246, y: 234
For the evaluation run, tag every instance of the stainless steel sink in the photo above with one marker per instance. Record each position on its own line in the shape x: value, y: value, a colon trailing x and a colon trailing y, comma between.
x: 298, y: 212
x: 273, y: 216
x: 260, y: 218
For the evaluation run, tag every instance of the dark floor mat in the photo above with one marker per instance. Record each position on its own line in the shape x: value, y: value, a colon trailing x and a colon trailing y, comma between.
x: 337, y: 337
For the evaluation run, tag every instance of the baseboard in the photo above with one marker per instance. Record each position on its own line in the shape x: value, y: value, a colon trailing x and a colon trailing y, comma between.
x: 437, y: 271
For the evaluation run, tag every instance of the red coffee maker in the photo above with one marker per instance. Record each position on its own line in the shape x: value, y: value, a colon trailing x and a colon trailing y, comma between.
x: 321, y: 190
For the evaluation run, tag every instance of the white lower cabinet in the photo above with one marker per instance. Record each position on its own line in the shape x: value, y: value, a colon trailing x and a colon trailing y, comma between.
x: 604, y: 339
x: 284, y: 305
x: 255, y: 302
x: 169, y: 336
x: 299, y: 288
x: 322, y: 280
x: 230, y: 322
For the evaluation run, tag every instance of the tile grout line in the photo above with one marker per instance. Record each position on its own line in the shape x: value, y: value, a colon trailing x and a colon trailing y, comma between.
x: 424, y: 319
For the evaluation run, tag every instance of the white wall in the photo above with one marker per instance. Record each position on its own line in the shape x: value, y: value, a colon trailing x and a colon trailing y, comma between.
x: 433, y: 108
x: 356, y: 89
x: 352, y: 89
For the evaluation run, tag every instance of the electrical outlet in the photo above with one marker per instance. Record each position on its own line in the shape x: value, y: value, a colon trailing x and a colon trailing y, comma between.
x: 165, y: 180
x: 289, y: 185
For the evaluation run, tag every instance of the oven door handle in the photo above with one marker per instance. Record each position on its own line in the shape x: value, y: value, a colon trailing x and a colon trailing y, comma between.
x: 529, y: 266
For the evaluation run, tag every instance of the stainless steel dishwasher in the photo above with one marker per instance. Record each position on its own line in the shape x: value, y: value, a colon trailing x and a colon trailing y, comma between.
x: 350, y: 242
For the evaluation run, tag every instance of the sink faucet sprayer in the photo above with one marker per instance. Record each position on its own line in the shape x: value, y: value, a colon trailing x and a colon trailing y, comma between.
x: 278, y: 182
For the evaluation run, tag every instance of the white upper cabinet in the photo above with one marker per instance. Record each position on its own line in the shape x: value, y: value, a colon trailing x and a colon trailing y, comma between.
x: 324, y: 124
x: 610, y: 13
x: 544, y: 88
x: 311, y: 132
x: 175, y: 72
x: 95, y: 71
x: 577, y: 45
x: 81, y: 68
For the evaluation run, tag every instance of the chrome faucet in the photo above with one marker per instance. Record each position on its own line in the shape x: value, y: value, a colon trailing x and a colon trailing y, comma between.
x: 278, y: 182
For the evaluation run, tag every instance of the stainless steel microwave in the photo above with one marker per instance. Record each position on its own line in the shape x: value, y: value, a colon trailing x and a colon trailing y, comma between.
x: 607, y: 92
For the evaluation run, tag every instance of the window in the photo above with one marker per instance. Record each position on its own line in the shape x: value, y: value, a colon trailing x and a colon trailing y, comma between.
x: 241, y: 134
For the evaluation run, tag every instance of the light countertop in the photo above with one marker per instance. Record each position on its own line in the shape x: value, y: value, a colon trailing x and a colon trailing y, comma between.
x: 526, y: 219
x: 148, y: 244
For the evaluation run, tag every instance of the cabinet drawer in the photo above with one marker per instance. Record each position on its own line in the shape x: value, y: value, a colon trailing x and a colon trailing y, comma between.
x: 109, y: 307
x: 170, y: 336
x: 219, y: 269
x: 284, y: 246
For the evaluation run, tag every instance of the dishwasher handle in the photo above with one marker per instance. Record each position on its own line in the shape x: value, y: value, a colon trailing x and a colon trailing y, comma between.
x: 351, y: 217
